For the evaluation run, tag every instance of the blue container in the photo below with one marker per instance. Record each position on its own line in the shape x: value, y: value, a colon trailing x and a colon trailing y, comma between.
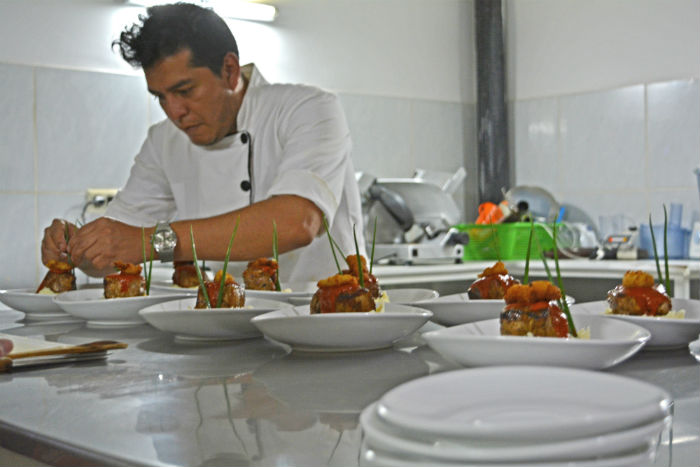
x: 678, y: 241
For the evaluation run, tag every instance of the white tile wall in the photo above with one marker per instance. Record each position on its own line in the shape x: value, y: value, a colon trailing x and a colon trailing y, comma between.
x: 17, y: 126
x: 89, y: 127
x: 19, y: 258
x: 621, y: 151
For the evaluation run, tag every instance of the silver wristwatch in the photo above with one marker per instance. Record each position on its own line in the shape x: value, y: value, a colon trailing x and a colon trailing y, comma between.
x: 164, y: 242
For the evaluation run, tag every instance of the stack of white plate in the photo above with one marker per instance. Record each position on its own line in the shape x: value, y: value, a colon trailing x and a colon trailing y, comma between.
x: 524, y: 416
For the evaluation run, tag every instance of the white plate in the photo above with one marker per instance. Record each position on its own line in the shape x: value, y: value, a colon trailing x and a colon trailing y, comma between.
x: 694, y: 348
x: 296, y: 293
x: 168, y: 286
x: 187, y: 323
x: 411, y: 296
x: 454, y: 309
x: 340, y: 332
x: 371, y: 456
x: 384, y: 436
x: 522, y: 404
x: 665, y: 332
x: 481, y: 344
x: 35, y: 306
x: 90, y: 305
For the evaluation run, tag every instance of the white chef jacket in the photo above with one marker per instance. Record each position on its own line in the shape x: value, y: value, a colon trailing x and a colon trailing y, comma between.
x: 291, y: 140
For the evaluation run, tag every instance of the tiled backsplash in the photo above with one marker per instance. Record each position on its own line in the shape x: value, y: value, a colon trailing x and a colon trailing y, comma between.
x: 63, y: 131
x: 621, y: 151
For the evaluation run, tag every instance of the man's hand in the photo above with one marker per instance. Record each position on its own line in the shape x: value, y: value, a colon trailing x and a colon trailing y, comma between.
x: 97, y: 245
x: 54, y: 245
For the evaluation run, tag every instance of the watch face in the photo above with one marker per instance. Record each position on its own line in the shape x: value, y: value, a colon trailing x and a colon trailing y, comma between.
x: 165, y: 240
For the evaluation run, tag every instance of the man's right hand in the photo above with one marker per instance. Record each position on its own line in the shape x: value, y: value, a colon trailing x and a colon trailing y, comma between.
x: 54, y: 245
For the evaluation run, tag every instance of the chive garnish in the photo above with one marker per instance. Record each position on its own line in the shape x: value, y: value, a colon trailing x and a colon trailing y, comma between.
x: 199, y: 272
x: 330, y: 240
x: 565, y: 306
x: 220, y: 298
x: 374, y: 239
x: 275, y: 254
x: 359, y: 259
x: 66, y: 237
x: 146, y: 274
x: 656, y: 253
x: 529, y: 247
x: 667, y: 282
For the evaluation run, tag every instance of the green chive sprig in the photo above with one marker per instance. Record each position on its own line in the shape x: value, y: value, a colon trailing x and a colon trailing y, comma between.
x: 147, y: 274
x: 565, y: 305
x: 199, y: 272
x: 220, y: 297
x: 667, y: 281
x: 331, y: 241
x: 66, y: 237
x: 374, y: 239
x: 275, y: 254
x: 656, y: 253
x: 529, y: 248
x: 359, y: 259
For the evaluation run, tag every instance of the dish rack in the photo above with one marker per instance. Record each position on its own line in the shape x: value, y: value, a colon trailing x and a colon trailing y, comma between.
x: 505, y: 241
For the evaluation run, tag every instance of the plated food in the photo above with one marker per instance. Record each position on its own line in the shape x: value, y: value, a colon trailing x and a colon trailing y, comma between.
x: 341, y: 293
x: 128, y: 282
x: 492, y: 283
x: 261, y: 274
x: 639, y: 296
x: 233, y: 295
x: 59, y: 278
x: 532, y: 310
x: 185, y: 274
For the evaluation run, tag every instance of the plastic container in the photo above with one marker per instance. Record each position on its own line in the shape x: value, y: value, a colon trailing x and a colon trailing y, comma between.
x: 504, y: 241
x: 678, y: 241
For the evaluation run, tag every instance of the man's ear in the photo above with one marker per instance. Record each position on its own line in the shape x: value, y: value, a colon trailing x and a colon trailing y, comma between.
x: 231, y: 70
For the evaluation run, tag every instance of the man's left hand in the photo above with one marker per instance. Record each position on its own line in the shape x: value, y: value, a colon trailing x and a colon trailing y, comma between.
x: 97, y: 245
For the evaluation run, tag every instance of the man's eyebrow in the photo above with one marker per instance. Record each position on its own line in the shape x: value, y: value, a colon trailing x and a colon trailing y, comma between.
x: 174, y: 87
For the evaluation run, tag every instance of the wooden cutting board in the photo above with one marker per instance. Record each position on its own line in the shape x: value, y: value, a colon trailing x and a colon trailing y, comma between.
x: 28, y: 351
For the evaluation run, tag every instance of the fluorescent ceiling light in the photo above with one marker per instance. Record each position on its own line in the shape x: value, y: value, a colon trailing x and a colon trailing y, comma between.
x: 237, y: 9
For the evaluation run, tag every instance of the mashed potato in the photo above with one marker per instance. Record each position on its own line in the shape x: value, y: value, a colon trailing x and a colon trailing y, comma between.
x: 379, y: 302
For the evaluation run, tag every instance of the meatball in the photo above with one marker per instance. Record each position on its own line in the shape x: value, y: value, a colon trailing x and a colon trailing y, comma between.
x: 533, y: 310
x: 128, y: 282
x: 341, y: 294
x: 233, y: 297
x: 185, y: 274
x: 59, y: 278
x: 261, y: 274
x: 492, y: 283
x: 638, y: 296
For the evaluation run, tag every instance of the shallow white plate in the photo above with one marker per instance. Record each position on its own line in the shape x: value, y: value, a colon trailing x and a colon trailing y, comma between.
x: 371, y: 456
x: 694, y: 348
x: 90, y: 305
x: 481, y: 344
x: 296, y: 293
x: 168, y: 286
x: 410, y: 296
x: 187, y: 323
x: 384, y: 436
x: 35, y: 306
x: 665, y: 332
x: 522, y: 403
x: 340, y: 332
x: 454, y: 309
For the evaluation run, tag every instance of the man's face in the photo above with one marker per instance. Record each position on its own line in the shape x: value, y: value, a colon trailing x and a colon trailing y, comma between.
x: 196, y: 100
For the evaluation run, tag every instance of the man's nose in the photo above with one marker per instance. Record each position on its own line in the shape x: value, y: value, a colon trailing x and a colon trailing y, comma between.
x: 174, y: 108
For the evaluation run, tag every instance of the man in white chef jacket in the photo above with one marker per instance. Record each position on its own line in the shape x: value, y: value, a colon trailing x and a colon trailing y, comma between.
x: 233, y: 147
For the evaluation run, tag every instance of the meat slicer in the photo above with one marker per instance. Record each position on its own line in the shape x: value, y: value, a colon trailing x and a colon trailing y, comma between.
x: 414, y: 218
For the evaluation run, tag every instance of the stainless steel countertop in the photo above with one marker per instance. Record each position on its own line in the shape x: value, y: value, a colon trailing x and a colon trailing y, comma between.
x: 248, y: 402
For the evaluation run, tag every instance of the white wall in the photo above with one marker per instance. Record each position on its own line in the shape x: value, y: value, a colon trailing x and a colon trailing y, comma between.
x: 559, y: 47
x: 401, y: 48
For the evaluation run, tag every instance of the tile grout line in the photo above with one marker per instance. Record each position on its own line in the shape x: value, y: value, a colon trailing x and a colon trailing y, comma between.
x: 35, y: 137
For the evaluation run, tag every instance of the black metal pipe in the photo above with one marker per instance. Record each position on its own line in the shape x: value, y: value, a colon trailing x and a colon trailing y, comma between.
x: 492, y: 120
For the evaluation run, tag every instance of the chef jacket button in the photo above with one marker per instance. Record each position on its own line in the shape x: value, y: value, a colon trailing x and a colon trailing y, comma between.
x: 245, y: 185
x: 244, y: 138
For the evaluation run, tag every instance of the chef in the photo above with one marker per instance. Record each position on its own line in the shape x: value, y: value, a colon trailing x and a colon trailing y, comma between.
x: 233, y: 149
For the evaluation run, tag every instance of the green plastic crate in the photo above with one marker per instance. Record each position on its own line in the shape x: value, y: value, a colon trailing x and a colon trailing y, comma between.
x: 504, y: 241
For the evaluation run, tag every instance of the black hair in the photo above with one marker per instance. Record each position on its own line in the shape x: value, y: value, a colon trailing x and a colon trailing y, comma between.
x: 168, y: 29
